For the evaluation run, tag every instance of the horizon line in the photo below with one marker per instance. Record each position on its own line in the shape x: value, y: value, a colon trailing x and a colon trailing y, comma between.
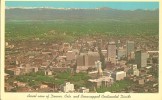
x: 61, y: 8
x: 86, y: 5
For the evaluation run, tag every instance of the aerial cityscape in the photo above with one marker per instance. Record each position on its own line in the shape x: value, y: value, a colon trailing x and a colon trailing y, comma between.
x: 82, y: 50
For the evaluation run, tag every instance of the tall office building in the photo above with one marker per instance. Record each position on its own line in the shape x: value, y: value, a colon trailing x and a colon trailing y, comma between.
x: 80, y: 60
x: 141, y: 59
x: 121, y: 52
x: 118, y: 44
x: 111, y: 51
x: 86, y: 60
x: 130, y: 48
x: 92, y: 58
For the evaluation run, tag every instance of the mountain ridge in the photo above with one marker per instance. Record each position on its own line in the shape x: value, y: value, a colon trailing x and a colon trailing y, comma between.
x: 103, y: 13
x: 98, y: 8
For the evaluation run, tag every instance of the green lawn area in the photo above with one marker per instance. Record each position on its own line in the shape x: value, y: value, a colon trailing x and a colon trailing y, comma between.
x: 117, y: 86
x: 79, y: 79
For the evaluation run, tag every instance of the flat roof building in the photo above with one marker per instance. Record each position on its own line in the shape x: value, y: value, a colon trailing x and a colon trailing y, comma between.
x: 111, y: 51
x: 70, y: 55
x: 83, y: 90
x: 119, y: 75
x: 141, y: 59
x: 121, y: 52
x: 67, y: 87
x: 130, y: 48
x: 86, y: 60
x: 102, y: 81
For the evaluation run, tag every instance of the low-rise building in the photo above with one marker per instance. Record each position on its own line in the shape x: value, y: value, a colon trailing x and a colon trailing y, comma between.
x: 70, y: 55
x: 35, y: 69
x: 43, y: 86
x: 119, y: 75
x: 14, y: 71
x: 102, y: 81
x: 19, y: 84
x: 67, y: 87
x: 48, y: 72
x: 83, y: 90
x: 141, y: 81
x: 134, y: 67
x: 136, y: 72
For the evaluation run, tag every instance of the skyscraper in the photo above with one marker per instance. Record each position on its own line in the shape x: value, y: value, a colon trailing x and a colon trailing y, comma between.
x: 111, y: 50
x: 141, y: 59
x: 121, y: 52
x: 130, y: 48
x: 86, y: 60
x: 80, y: 60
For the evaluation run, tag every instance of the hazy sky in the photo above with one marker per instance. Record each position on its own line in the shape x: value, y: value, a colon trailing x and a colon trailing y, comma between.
x: 65, y: 4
